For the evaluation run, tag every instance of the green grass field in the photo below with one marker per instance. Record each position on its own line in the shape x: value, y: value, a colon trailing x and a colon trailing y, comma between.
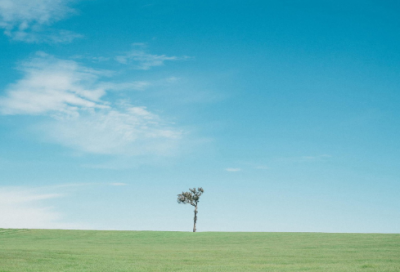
x: 70, y: 250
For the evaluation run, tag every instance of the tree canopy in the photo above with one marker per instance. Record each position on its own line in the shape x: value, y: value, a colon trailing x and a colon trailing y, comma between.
x: 192, y: 197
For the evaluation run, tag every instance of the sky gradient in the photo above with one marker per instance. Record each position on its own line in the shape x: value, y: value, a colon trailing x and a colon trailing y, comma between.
x: 285, y: 112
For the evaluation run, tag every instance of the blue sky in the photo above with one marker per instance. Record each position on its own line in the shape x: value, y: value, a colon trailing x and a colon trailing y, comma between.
x: 285, y: 112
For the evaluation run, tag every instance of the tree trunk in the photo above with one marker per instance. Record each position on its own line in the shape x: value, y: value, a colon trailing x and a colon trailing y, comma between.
x: 195, y: 218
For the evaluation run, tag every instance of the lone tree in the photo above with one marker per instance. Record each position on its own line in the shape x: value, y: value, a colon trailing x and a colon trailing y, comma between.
x: 192, y: 198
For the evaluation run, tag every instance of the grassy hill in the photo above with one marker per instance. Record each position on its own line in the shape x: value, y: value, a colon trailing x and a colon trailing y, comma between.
x: 72, y: 250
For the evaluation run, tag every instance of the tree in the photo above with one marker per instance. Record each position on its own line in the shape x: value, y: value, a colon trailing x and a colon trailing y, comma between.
x: 193, y: 198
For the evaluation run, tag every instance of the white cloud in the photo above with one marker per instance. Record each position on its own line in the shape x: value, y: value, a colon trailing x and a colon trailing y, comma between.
x: 142, y: 60
x: 136, y: 85
x: 73, y: 96
x: 233, y: 169
x: 26, y: 208
x: 25, y: 20
x: 61, y: 36
x: 52, y: 85
x: 132, y: 131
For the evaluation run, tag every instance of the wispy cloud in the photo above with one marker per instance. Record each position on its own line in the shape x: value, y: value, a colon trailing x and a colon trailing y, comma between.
x: 28, y: 20
x: 73, y: 96
x: 233, y: 169
x: 28, y: 208
x: 130, y: 131
x: 136, y: 86
x: 142, y: 60
x: 51, y: 85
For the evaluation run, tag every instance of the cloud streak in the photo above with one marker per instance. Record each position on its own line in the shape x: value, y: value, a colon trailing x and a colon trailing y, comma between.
x: 142, y: 60
x: 27, y: 208
x: 129, y: 131
x: 53, y: 85
x: 73, y: 96
x: 27, y: 20
x: 233, y: 169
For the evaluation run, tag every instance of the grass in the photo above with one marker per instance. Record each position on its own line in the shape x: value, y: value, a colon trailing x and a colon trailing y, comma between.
x: 72, y: 250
